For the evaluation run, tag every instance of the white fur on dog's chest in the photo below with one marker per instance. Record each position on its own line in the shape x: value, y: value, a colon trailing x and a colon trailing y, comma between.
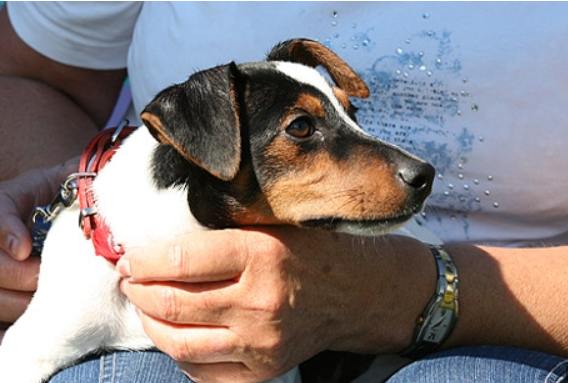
x: 78, y: 307
x: 136, y: 211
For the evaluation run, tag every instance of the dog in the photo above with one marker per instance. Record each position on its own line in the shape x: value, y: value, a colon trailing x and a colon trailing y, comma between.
x: 264, y: 143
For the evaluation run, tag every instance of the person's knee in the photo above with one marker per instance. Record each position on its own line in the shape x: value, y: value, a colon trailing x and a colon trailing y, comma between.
x: 483, y: 364
x: 140, y: 367
x: 39, y: 126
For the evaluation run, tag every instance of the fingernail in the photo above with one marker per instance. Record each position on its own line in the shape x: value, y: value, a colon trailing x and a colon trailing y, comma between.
x: 123, y: 267
x: 13, y: 244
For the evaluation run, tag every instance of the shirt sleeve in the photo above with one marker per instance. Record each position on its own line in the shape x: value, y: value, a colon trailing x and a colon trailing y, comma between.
x: 94, y: 35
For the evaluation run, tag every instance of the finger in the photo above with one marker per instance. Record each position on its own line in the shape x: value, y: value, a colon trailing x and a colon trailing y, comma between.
x: 16, y: 203
x: 13, y: 304
x: 198, y: 304
x: 195, y: 344
x: 18, y: 275
x: 217, y: 372
x: 15, y: 238
x: 207, y: 256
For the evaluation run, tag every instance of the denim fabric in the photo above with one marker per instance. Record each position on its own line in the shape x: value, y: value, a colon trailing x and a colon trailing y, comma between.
x: 123, y: 367
x: 483, y: 365
x: 461, y: 365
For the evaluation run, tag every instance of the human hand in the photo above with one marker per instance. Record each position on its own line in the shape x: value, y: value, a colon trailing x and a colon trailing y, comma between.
x: 18, y: 272
x: 248, y: 305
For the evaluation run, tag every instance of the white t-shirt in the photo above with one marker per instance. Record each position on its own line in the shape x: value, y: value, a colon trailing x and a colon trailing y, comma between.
x: 478, y: 89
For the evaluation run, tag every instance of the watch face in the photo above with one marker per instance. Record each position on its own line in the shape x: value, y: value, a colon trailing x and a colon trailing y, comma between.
x: 439, y: 323
x: 443, y: 309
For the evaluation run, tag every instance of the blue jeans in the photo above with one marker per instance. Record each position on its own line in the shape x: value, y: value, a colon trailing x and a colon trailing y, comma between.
x: 485, y: 364
x: 462, y: 365
x: 123, y: 367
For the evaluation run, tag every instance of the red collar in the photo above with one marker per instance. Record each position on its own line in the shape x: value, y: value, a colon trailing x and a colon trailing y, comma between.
x: 97, y: 154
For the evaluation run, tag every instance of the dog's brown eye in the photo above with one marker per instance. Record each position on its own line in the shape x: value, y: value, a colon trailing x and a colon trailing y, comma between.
x: 301, y: 127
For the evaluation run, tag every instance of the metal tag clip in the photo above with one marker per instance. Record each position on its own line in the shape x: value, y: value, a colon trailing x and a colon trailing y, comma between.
x: 43, y: 216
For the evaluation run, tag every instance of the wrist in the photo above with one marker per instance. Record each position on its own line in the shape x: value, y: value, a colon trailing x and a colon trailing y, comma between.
x: 414, y: 283
x: 439, y: 317
x: 403, y: 283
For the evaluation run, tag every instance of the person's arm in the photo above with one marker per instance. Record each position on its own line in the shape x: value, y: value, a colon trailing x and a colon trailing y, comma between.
x: 272, y: 298
x: 49, y: 110
x: 513, y: 297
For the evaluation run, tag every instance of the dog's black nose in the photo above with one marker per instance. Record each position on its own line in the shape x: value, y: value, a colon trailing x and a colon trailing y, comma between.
x: 417, y: 175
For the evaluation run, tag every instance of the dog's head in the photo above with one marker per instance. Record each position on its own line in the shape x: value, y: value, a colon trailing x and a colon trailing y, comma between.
x: 273, y: 143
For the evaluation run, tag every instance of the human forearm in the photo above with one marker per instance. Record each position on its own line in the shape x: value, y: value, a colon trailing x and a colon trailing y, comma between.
x: 512, y: 297
x: 507, y: 297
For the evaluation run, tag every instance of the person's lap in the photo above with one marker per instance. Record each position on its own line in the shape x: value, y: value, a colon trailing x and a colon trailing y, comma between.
x: 468, y: 364
x: 123, y: 367
x: 485, y: 364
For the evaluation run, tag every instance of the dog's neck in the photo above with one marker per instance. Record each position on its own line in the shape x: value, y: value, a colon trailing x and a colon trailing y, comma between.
x: 136, y: 209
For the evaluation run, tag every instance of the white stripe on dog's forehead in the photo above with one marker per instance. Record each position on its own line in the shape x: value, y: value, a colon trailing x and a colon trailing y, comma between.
x: 310, y: 76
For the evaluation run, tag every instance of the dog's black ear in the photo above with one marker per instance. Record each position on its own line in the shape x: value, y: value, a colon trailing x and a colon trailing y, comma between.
x: 200, y: 119
x: 312, y: 53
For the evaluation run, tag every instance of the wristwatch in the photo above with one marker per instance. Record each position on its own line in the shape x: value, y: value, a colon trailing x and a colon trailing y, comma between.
x: 439, y: 318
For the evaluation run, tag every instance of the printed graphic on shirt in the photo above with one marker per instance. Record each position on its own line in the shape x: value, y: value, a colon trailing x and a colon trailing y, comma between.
x: 418, y: 96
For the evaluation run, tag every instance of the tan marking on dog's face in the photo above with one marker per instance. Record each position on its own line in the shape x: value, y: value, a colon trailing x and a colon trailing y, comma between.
x: 258, y: 213
x: 361, y: 187
x: 311, y: 104
x: 254, y: 213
